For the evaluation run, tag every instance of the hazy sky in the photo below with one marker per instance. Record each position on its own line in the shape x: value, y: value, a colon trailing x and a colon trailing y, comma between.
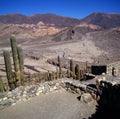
x: 71, y: 8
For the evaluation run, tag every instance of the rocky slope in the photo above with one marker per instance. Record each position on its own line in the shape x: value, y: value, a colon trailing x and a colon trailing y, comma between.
x: 97, y: 41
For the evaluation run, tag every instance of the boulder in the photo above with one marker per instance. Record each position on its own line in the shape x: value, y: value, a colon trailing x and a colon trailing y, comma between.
x: 86, y: 98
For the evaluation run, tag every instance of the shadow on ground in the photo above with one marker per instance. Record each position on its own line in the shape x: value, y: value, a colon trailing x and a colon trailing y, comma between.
x: 109, y: 103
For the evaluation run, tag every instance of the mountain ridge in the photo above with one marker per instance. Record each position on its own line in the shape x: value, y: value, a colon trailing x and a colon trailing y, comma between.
x: 104, y: 20
x: 40, y: 25
x: 59, y: 21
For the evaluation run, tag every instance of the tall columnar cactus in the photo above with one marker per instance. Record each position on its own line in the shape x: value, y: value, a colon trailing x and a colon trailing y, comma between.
x: 21, y: 62
x: 77, y: 72
x: 81, y: 74
x: 59, y: 62
x: 60, y: 72
x: 15, y: 59
x: 68, y: 73
x: 57, y: 73
x: 71, y: 68
x: 8, y: 68
x: 86, y: 66
x: 60, y: 69
x: 1, y: 85
x: 49, y: 76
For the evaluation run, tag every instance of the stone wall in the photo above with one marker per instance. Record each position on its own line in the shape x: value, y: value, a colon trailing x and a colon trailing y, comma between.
x: 24, y: 93
x: 116, y: 65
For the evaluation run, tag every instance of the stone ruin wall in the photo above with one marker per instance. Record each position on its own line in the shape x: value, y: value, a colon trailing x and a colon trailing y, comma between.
x: 116, y: 65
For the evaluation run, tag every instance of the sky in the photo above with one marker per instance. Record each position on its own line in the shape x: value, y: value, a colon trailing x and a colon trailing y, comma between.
x: 71, y: 8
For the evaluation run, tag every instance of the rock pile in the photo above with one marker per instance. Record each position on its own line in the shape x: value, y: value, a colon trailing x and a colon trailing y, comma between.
x: 24, y: 93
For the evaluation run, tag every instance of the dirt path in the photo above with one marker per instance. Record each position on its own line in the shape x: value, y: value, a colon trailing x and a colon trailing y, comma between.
x: 56, y: 105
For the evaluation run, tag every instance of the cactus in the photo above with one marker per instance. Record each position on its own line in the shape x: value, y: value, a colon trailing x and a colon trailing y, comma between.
x: 68, y: 73
x: 60, y: 72
x: 80, y: 74
x: 59, y: 62
x: 15, y: 59
x: 77, y: 72
x: 57, y: 73
x: 60, y: 69
x: 21, y: 63
x: 1, y: 85
x: 39, y: 78
x: 86, y: 66
x: 71, y: 68
x: 84, y: 74
x: 49, y: 76
x: 8, y: 68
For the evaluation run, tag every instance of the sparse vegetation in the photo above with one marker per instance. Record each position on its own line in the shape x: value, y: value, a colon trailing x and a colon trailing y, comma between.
x: 14, y: 78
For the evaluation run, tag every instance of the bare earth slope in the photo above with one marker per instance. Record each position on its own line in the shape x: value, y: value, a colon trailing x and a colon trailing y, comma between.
x: 102, y: 43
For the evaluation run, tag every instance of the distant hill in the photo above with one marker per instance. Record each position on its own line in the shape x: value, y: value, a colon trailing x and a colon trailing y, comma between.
x: 103, y: 20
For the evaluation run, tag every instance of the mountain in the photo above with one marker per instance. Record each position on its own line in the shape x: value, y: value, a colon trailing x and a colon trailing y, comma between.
x: 103, y: 20
x: 58, y: 21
